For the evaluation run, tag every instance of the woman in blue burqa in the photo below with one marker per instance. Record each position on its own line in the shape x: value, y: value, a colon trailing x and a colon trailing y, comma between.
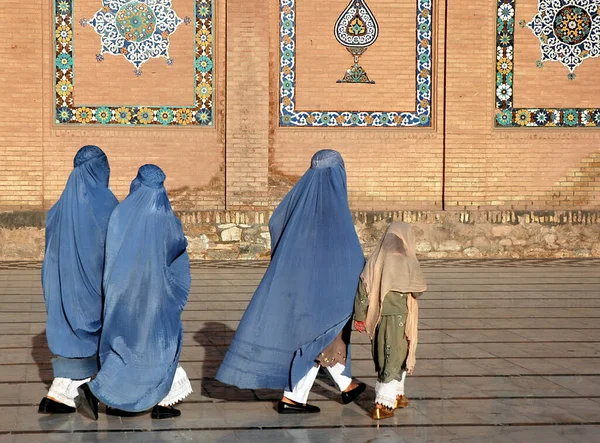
x: 146, y: 284
x: 299, y: 317
x: 72, y: 276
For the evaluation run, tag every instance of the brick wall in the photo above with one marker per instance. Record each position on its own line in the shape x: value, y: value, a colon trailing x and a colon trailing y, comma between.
x: 247, y: 103
x: 248, y: 161
x: 36, y: 155
x: 522, y: 168
x: 387, y: 167
x: 21, y: 131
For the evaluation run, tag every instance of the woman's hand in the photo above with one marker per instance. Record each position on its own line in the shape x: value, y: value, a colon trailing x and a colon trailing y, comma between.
x: 360, y: 326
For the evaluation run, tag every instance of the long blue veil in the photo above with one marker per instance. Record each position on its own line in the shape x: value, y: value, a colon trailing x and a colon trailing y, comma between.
x: 307, y: 294
x: 74, y: 260
x: 146, y: 284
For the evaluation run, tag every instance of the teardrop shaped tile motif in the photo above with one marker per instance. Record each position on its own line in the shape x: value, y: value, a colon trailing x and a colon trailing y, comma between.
x: 356, y: 26
x: 356, y: 29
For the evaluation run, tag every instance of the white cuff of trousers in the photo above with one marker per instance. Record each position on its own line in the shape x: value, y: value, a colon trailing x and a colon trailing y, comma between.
x: 180, y: 388
x: 300, y: 392
x: 64, y: 390
x: 341, y: 381
x: 385, y: 393
x: 400, y: 389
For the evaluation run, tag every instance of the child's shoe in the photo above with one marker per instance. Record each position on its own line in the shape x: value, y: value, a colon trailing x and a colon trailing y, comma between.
x: 402, y: 401
x: 380, y: 412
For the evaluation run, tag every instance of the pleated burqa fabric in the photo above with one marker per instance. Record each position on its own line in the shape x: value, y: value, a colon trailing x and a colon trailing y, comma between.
x: 306, y: 296
x: 73, y: 264
x: 146, y: 284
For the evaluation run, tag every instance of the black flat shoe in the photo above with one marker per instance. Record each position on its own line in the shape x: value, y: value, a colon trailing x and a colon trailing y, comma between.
x: 350, y: 396
x: 296, y: 408
x: 49, y: 406
x: 121, y: 413
x: 162, y: 412
x: 87, y: 403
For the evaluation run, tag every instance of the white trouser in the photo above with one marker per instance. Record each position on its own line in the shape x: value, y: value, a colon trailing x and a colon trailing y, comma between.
x: 64, y: 390
x: 180, y: 388
x: 335, y: 373
x: 300, y: 392
x: 386, y: 393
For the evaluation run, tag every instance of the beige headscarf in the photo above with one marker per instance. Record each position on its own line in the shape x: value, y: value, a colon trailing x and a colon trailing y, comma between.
x: 394, y: 266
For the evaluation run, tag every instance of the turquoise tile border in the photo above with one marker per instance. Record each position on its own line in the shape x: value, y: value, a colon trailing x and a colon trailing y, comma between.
x: 290, y: 117
x: 507, y: 116
x: 133, y: 115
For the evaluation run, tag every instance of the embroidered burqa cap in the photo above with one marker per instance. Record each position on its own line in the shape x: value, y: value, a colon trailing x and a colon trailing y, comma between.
x: 87, y: 153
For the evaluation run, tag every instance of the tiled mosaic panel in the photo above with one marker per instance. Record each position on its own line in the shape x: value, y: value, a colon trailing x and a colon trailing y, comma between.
x: 420, y: 117
x: 509, y: 116
x: 130, y: 115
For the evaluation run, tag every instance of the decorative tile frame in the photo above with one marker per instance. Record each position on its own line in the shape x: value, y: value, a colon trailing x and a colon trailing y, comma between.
x: 289, y: 117
x: 506, y: 114
x: 66, y: 113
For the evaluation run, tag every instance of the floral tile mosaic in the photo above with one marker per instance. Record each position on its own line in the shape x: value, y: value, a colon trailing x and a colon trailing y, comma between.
x: 569, y: 32
x: 290, y: 117
x: 137, y: 30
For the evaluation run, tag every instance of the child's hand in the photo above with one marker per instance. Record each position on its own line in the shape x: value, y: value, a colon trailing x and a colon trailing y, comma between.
x: 360, y: 326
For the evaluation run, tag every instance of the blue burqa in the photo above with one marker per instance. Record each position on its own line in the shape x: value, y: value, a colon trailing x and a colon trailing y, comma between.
x: 146, y: 284
x: 307, y: 294
x: 73, y: 264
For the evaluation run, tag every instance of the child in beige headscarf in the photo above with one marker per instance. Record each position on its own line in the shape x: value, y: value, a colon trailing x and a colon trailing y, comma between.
x: 386, y: 307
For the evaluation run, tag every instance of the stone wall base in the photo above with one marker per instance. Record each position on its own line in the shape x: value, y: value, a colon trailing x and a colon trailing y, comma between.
x: 239, y: 235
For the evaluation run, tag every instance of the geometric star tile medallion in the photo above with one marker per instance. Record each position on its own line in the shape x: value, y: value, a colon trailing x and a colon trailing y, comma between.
x: 568, y: 31
x: 136, y: 30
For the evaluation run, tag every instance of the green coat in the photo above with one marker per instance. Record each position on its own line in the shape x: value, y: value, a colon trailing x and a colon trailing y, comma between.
x: 389, y: 346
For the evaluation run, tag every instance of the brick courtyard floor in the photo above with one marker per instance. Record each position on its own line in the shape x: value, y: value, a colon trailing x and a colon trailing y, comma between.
x: 509, y: 352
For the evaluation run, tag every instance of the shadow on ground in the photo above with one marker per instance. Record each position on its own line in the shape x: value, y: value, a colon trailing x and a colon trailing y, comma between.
x: 41, y: 355
x: 217, y: 336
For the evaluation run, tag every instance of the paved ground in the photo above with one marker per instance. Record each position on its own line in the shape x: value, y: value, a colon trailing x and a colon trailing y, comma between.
x: 509, y: 351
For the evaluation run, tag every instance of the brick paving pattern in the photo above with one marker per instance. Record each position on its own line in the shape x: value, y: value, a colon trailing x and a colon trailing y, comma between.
x: 508, y: 352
